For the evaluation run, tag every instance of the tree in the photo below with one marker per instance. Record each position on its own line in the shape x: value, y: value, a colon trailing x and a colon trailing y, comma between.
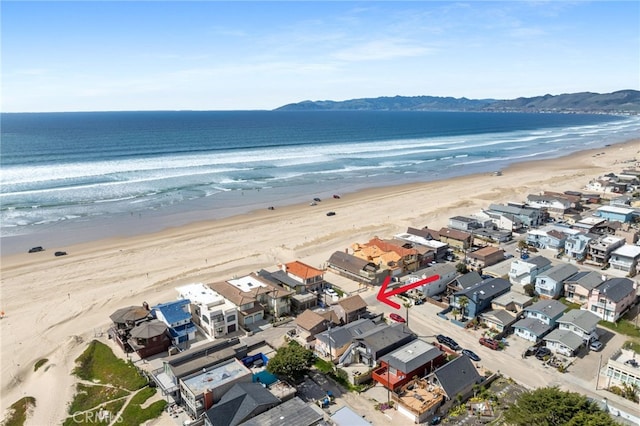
x: 291, y: 360
x: 461, y: 268
x: 529, y: 290
x: 522, y: 244
x: 463, y: 302
x: 550, y: 406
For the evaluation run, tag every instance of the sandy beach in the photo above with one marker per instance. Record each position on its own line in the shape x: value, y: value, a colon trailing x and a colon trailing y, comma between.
x: 54, y: 305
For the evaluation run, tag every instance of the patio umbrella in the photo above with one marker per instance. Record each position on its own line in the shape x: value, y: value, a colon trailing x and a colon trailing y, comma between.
x: 148, y: 329
x: 131, y: 313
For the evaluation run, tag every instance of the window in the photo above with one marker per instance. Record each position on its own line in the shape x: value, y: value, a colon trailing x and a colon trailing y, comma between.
x: 231, y: 318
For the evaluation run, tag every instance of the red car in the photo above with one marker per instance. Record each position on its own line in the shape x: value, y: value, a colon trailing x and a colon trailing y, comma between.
x: 397, y: 318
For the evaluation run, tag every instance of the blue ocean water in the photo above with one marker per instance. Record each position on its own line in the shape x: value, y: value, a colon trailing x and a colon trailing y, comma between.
x: 63, y: 168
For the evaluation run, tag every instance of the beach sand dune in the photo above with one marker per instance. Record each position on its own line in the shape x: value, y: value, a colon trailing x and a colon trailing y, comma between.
x: 54, y: 305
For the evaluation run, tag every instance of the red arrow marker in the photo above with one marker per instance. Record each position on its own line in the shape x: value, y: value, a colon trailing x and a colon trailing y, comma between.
x: 383, y: 295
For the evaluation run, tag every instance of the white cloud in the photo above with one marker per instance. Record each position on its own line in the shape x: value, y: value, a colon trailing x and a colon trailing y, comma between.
x: 376, y: 50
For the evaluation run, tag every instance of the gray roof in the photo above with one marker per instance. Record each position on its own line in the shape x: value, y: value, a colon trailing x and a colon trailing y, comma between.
x: 345, y: 416
x: 589, y: 280
x: 293, y: 412
x: 348, y: 262
x: 512, y: 209
x: 561, y: 272
x: 340, y: 336
x: 549, y: 307
x: 499, y: 315
x: 582, y: 319
x: 512, y: 296
x: 616, y: 289
x: 384, y: 336
x: 279, y: 277
x: 539, y: 261
x: 457, y: 376
x: 412, y: 356
x: 566, y: 337
x: 469, y: 279
x: 487, y: 289
x: 534, y: 325
x: 242, y: 401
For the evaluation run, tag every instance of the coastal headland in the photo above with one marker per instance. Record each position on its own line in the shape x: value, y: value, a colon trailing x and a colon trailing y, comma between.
x: 54, y: 305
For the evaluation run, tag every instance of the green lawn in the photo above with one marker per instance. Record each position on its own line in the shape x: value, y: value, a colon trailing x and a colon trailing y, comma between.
x: 98, y: 363
x: 19, y: 410
x: 622, y: 326
x: 134, y: 414
x: 88, y: 396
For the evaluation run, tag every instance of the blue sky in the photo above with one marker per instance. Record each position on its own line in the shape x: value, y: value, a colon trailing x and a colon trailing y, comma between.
x: 213, y: 55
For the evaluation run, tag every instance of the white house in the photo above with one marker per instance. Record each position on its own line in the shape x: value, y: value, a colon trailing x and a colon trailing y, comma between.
x: 525, y: 271
x: 625, y: 258
x: 212, y: 312
x: 580, y: 322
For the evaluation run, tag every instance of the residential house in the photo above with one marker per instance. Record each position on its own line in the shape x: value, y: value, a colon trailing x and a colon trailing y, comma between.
x: 464, y: 281
x: 354, y: 268
x: 370, y: 346
x: 621, y: 214
x: 498, y: 319
x: 149, y: 337
x: 292, y: 412
x: 563, y: 342
x: 445, y: 271
x: 350, y: 309
x: 242, y: 402
x: 416, y: 358
x: 124, y: 320
x: 611, y: 299
x: 499, y: 270
x: 625, y: 258
x: 310, y: 323
x: 525, y: 271
x: 484, y: 257
x: 550, y: 283
x: 512, y: 301
x: 388, y: 256
x: 492, y: 235
x: 580, y: 322
x: 577, y: 288
x: 266, y: 291
x: 527, y: 216
x: 608, y: 184
x: 607, y: 227
x: 589, y: 224
x: 503, y: 221
x: 178, y: 366
x: 336, y: 340
x: 540, y: 318
x: 201, y: 390
x: 305, y: 278
x: 623, y: 368
x: 479, y: 296
x: 576, y: 246
x: 555, y: 204
x: 177, y: 317
x: 458, y: 240
x: 600, y: 249
x: 464, y: 223
x: 241, y: 309
x: 426, y: 237
x: 457, y: 377
x: 209, y: 309
x: 417, y: 400
x: 547, y: 238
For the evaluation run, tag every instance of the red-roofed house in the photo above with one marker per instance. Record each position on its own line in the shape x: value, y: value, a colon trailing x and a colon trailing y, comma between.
x: 310, y: 278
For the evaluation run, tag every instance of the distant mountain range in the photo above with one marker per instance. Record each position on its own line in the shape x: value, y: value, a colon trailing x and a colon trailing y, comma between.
x: 622, y: 101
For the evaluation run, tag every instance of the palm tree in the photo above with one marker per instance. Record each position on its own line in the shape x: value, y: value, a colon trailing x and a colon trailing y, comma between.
x: 463, y: 302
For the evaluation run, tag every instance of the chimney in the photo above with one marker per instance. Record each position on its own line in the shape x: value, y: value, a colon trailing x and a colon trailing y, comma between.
x: 208, y: 399
x: 604, y: 277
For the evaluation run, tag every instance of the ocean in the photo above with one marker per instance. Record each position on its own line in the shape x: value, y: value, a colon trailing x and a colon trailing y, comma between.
x: 71, y: 177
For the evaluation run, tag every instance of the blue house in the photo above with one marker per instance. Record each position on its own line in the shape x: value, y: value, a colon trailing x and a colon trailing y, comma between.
x: 177, y: 317
x: 480, y: 295
x: 614, y: 213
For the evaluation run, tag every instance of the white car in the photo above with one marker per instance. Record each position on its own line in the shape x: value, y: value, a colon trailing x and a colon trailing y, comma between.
x: 331, y: 292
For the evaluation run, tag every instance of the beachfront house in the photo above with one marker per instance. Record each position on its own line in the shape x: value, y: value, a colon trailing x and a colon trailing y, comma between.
x: 124, y: 320
x: 600, y: 249
x: 525, y: 271
x: 457, y: 240
x: 273, y: 297
x: 241, y: 309
x: 577, y: 288
x: 242, y: 402
x: 484, y: 257
x: 465, y: 223
x: 299, y: 277
x: 620, y: 214
x: 502, y: 221
x: 611, y: 299
x: 149, y: 337
x: 550, y: 283
x: 625, y: 258
x: 354, y: 268
x: 539, y: 319
x: 177, y: 317
x: 557, y: 205
x: 426, y: 238
x: 576, y: 246
x: 526, y: 216
x: 214, y: 314
x: 416, y: 358
x: 479, y: 296
x: 388, y: 255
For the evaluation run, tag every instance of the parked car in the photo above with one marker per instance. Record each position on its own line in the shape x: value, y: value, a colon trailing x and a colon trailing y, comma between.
x: 35, y: 249
x: 313, y: 203
x: 331, y: 292
x: 490, y: 343
x: 596, y: 345
x: 60, y: 253
x: 448, y: 341
x: 471, y: 354
x: 542, y: 352
x: 336, y: 196
x: 397, y: 318
x: 331, y: 213
x: 317, y: 200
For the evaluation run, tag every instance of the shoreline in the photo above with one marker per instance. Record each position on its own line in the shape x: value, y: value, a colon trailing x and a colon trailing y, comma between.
x: 55, y: 305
